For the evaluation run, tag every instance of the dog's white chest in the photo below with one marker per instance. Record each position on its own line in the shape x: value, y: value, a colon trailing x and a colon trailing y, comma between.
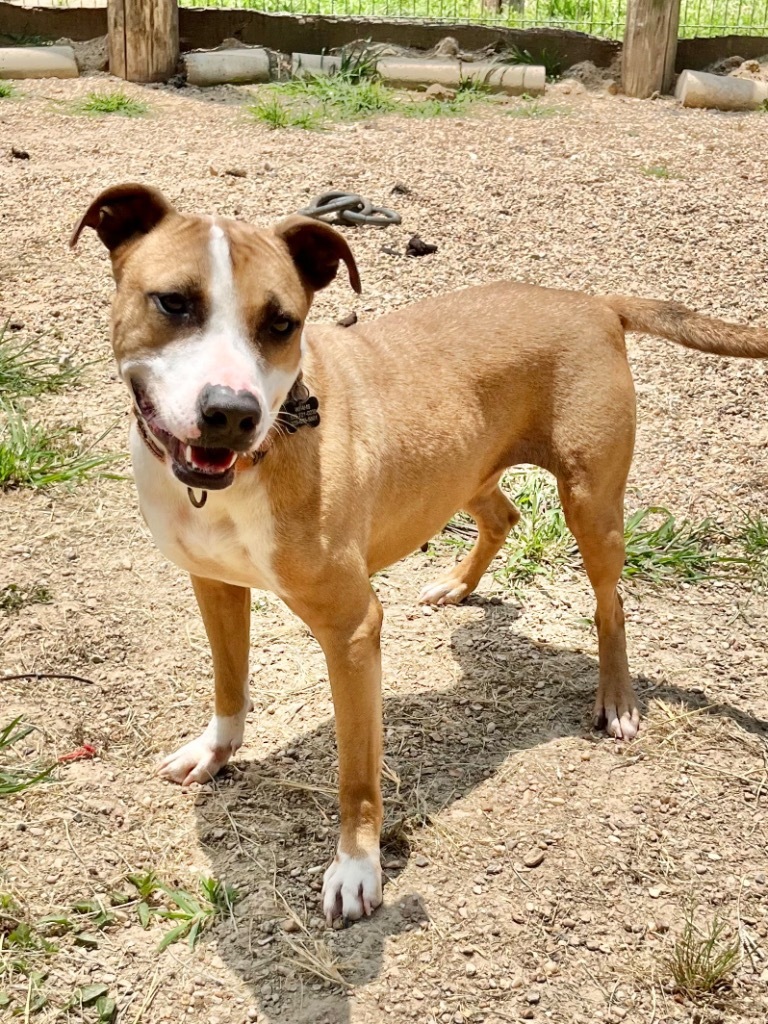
x: 231, y: 538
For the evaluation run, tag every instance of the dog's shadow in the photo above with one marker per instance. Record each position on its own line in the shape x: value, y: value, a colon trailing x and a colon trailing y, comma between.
x: 269, y: 827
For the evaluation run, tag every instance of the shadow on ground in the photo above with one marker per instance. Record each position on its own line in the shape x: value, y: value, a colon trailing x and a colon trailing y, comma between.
x: 269, y: 827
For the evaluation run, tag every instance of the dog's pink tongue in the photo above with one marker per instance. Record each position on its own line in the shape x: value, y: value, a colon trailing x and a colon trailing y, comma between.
x: 210, y: 460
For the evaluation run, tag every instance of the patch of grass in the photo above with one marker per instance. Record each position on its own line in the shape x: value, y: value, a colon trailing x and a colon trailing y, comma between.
x: 30, y: 456
x: 702, y: 961
x: 13, y: 597
x: 24, y: 372
x: 550, y: 62
x: 660, y: 548
x: 117, y: 102
x: 16, y: 777
x: 353, y: 93
x: 659, y: 171
x: 311, y: 101
x: 6, y: 90
x: 531, y: 108
x: 193, y: 913
x: 541, y: 540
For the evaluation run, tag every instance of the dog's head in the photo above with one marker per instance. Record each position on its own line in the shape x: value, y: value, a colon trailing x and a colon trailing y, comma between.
x: 207, y: 321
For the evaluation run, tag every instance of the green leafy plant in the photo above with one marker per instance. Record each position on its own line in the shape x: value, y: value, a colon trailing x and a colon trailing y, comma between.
x: 97, y: 996
x: 6, y: 90
x: 115, y: 102
x: 193, y: 913
x: 14, y: 777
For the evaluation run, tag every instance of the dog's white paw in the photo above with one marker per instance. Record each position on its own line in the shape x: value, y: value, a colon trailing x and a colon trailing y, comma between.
x: 200, y: 759
x: 449, y: 590
x: 616, y: 711
x: 352, y: 886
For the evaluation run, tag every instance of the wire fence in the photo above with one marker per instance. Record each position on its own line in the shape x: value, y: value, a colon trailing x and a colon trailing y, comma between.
x: 604, y: 18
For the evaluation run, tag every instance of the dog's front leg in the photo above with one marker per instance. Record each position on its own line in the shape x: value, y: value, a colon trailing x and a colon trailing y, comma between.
x: 226, y: 612
x: 350, y: 637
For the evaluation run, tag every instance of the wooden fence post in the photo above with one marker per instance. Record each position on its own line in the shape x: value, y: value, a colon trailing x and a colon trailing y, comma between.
x: 650, y: 47
x: 143, y: 39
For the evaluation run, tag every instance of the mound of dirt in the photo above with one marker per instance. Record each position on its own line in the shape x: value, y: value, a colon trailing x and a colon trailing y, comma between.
x: 594, y: 78
x: 90, y: 54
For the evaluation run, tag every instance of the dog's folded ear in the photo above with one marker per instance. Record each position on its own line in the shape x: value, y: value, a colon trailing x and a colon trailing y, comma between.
x: 122, y: 213
x: 317, y: 250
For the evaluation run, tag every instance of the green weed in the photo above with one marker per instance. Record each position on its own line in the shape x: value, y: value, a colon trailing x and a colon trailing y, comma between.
x: 6, y: 90
x: 98, y: 997
x: 533, y: 109
x: 24, y: 372
x: 660, y: 548
x: 16, y: 777
x: 701, y: 961
x: 541, y: 541
x: 659, y: 171
x: 116, y: 102
x: 193, y: 913
x: 550, y: 62
x: 30, y: 456
x: 14, y: 597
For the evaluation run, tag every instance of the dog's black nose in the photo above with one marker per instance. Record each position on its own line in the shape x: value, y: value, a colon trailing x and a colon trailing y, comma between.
x: 227, y: 418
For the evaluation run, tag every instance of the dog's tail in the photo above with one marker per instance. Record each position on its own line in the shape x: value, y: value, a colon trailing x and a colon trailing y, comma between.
x: 673, y: 321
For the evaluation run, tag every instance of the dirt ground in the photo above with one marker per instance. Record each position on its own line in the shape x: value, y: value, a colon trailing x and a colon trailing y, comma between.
x: 489, y: 752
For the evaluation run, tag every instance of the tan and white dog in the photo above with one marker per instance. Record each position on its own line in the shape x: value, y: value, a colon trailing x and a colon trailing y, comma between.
x: 421, y: 412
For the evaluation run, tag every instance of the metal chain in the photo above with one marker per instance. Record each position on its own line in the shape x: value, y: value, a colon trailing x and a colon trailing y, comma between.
x: 348, y: 208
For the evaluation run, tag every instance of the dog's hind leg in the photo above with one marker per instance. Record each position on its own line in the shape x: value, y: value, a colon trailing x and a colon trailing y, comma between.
x: 495, y: 516
x: 594, y: 511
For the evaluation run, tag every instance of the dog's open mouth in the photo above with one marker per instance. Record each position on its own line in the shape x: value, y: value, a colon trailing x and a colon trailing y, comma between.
x: 209, y: 469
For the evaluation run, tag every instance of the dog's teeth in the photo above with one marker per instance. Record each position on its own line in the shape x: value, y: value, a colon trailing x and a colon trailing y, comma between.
x: 188, y: 454
x: 232, y: 460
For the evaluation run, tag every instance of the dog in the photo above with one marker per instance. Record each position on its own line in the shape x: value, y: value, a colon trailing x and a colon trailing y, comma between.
x: 303, y: 460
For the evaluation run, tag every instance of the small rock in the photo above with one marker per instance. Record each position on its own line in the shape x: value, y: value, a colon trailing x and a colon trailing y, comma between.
x: 399, y: 189
x: 418, y: 247
x: 348, y: 320
x: 533, y: 858
x: 440, y: 92
x: 654, y: 893
x: 19, y: 154
x: 236, y: 172
x: 421, y: 861
x: 533, y: 997
x: 289, y: 925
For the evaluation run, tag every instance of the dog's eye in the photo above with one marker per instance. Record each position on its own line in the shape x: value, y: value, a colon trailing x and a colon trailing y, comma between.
x: 172, y: 303
x: 282, y: 326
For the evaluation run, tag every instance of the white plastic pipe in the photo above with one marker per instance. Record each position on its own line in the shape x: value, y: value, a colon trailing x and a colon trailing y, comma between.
x: 227, y: 67
x: 698, y: 89
x: 413, y: 72
x: 38, y: 62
